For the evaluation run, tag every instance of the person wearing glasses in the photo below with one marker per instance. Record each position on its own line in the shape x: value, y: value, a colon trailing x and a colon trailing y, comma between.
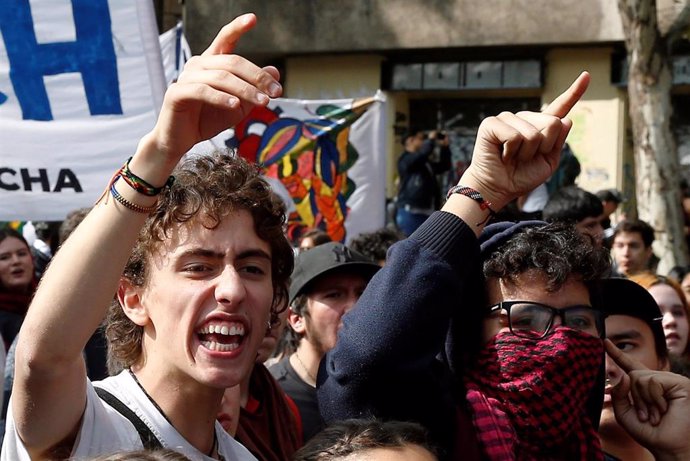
x: 507, y: 309
x: 492, y: 338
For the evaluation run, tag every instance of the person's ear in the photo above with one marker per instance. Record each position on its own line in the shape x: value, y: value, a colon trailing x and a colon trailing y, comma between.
x: 296, y: 322
x: 129, y: 297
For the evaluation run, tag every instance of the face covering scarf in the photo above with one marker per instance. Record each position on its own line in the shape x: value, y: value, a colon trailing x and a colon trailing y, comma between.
x: 528, y: 396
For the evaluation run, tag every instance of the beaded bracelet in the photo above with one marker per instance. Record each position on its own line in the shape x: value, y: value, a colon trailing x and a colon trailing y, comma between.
x: 141, y: 186
x: 474, y: 195
x: 132, y: 206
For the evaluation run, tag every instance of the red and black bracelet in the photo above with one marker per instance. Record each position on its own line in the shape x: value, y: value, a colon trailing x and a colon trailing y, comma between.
x: 474, y: 195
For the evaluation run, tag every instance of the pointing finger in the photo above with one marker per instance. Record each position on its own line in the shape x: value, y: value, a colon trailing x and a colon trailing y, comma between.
x: 623, y: 360
x: 562, y: 105
x: 619, y: 397
x: 263, y: 80
x: 230, y: 34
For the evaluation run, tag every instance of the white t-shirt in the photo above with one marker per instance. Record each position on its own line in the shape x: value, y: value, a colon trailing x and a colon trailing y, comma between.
x: 536, y: 200
x: 103, y: 430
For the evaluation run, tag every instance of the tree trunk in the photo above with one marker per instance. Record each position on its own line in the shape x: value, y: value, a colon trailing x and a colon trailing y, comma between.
x: 657, y: 168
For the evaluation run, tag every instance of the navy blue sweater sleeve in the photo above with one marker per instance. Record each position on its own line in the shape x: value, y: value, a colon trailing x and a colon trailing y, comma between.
x: 385, y: 363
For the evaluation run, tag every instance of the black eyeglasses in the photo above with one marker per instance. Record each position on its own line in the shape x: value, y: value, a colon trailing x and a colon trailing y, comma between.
x: 528, y: 319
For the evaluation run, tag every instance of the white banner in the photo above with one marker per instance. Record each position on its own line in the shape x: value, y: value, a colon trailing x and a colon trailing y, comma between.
x: 329, y: 156
x: 175, y: 51
x: 81, y: 81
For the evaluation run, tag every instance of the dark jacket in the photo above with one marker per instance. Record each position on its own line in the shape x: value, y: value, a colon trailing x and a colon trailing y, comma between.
x: 411, y: 305
x: 418, y: 185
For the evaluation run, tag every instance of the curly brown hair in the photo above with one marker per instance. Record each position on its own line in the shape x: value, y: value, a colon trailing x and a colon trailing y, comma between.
x: 557, y: 250
x: 205, y: 191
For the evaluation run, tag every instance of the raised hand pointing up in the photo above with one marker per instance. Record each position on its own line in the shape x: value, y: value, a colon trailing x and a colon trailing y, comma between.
x: 514, y: 153
x: 214, y: 92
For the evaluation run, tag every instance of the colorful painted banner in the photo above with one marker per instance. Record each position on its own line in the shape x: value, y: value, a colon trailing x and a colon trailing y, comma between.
x: 326, y: 158
x: 80, y: 82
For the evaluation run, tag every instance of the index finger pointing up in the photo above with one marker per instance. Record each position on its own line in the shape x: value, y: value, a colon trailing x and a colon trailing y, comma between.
x: 561, y: 106
x: 623, y: 360
x: 230, y: 34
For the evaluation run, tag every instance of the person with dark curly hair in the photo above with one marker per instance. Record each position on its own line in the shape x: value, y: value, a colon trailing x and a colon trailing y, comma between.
x: 371, y: 440
x: 490, y: 337
x: 375, y: 245
x: 199, y: 265
x: 497, y: 324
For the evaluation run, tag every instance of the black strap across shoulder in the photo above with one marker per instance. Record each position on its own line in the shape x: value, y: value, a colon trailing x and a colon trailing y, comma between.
x: 148, y: 439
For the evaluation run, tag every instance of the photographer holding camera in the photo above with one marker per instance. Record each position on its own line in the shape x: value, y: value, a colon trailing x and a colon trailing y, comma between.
x: 419, y: 196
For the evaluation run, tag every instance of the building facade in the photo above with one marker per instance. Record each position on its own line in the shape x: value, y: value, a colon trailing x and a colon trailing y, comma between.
x: 446, y: 64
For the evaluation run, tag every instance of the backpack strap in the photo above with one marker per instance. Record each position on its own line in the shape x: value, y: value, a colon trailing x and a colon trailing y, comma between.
x: 148, y: 439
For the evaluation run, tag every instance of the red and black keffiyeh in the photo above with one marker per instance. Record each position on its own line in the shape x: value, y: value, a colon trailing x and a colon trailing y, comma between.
x: 528, y: 396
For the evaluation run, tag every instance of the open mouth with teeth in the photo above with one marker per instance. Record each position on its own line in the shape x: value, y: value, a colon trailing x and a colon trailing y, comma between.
x: 221, y: 337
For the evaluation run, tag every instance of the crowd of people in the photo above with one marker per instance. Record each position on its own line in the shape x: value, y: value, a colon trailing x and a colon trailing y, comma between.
x: 462, y: 337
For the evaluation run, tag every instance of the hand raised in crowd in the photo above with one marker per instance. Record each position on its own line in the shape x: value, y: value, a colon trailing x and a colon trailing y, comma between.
x: 514, y: 153
x: 439, y: 137
x: 214, y: 92
x: 653, y: 406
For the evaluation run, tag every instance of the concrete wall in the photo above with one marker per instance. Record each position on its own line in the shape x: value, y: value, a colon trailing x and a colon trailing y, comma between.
x: 327, y: 77
x: 599, y: 118
x: 325, y: 26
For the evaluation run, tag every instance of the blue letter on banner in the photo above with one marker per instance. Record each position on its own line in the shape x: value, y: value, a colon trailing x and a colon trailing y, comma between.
x: 92, y: 54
